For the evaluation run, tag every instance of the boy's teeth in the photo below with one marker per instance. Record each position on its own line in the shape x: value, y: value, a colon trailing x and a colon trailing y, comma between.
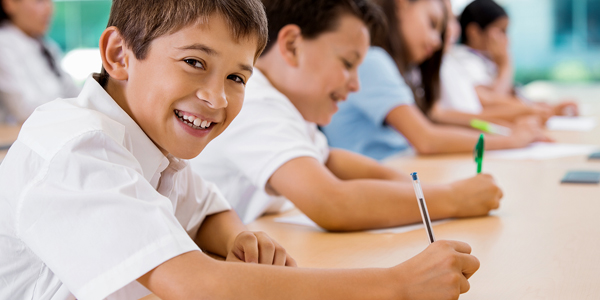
x: 192, y: 120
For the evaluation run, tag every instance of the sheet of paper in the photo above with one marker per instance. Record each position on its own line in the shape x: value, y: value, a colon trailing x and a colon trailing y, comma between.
x: 571, y: 123
x: 303, y: 220
x: 541, y: 151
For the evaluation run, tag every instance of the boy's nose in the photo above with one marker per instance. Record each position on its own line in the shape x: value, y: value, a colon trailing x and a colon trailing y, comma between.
x: 215, y: 98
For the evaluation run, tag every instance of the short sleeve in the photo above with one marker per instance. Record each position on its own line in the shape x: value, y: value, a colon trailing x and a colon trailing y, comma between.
x: 205, y: 199
x: 266, y: 135
x: 382, y: 87
x: 95, y: 221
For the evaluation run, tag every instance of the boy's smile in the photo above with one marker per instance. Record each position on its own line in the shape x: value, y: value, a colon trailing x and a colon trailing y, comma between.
x: 326, y: 69
x: 189, y: 86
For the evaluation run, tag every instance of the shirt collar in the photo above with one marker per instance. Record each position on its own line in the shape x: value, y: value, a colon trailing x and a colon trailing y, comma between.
x: 259, y: 87
x: 151, y: 159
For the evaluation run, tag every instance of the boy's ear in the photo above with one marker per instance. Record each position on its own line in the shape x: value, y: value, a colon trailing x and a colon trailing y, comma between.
x: 114, y: 55
x: 287, y: 43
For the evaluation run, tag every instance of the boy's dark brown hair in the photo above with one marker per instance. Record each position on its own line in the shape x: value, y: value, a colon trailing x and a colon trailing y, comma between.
x: 315, y: 17
x: 142, y: 21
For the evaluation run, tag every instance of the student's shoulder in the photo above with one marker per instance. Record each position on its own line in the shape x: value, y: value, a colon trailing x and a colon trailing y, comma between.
x: 57, y: 123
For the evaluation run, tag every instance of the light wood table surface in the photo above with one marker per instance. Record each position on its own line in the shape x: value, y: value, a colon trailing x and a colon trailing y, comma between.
x: 543, y: 243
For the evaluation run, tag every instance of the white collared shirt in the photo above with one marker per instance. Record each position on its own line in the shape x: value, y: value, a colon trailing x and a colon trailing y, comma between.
x: 88, y: 203
x: 26, y: 79
x: 268, y: 132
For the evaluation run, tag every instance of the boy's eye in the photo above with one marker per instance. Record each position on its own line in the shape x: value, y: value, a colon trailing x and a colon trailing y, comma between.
x: 236, y: 78
x: 194, y: 63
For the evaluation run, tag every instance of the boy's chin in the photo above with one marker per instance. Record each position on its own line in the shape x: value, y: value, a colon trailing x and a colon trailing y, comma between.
x: 188, y: 153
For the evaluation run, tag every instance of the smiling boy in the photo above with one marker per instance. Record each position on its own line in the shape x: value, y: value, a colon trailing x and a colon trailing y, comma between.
x: 95, y: 192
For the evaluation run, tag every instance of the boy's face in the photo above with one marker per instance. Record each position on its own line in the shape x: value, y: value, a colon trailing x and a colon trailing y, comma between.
x: 327, y: 69
x: 190, y: 86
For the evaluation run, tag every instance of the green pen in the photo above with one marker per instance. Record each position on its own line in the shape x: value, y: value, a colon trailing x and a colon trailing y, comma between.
x: 478, y: 153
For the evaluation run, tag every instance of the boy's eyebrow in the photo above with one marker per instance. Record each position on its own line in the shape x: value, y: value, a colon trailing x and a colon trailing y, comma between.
x: 203, y: 48
x: 247, y: 68
x: 212, y: 52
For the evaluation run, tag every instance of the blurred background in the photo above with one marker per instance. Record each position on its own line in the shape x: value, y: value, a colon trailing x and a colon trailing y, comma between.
x: 555, y: 40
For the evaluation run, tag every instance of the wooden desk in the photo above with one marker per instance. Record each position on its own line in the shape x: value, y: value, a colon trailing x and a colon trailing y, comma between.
x: 8, y: 134
x: 541, y: 244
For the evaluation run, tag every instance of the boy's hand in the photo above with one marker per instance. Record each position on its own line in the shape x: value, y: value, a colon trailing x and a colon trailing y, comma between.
x: 440, y: 272
x: 476, y: 196
x: 258, y: 247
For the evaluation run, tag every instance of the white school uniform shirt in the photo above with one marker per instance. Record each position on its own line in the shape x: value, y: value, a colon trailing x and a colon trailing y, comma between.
x: 88, y: 203
x: 26, y: 79
x: 268, y: 132
x: 458, y: 88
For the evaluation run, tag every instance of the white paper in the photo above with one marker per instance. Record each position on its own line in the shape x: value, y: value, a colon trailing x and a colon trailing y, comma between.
x: 541, y: 151
x: 571, y: 123
x: 303, y: 220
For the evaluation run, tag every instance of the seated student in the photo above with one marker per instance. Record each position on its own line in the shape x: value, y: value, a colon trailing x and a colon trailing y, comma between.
x: 382, y: 119
x: 30, y: 72
x: 459, y: 103
x: 484, y: 64
x: 97, y: 200
x: 273, y: 151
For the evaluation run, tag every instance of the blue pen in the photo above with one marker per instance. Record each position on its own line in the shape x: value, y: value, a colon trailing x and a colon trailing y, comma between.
x: 423, y: 207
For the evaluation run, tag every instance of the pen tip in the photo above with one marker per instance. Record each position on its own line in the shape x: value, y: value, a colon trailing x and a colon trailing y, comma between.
x: 414, y: 176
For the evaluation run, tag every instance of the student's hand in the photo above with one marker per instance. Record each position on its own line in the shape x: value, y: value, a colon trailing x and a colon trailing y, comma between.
x: 497, y: 46
x: 440, y: 272
x: 475, y: 196
x: 258, y: 247
x: 566, y: 108
x: 528, y: 130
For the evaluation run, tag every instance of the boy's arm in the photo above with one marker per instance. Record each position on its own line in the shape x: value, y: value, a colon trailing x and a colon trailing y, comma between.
x: 358, y: 204
x: 441, y: 272
x: 347, y: 165
x: 224, y: 234
x: 218, y: 232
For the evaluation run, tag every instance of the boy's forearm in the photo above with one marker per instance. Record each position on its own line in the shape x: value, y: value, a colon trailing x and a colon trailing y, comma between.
x: 372, y: 204
x: 194, y: 276
x: 218, y: 232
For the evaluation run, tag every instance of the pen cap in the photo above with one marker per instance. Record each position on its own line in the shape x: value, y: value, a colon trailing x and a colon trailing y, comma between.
x: 417, y: 185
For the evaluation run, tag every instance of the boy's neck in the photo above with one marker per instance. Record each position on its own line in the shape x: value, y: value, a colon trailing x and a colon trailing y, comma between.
x: 116, y: 90
x: 276, y: 70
